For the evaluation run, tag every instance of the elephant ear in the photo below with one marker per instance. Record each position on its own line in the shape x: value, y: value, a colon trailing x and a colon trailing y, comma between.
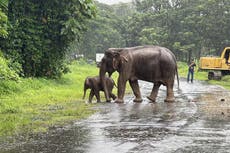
x: 115, y: 54
x: 90, y: 82
x: 112, y: 52
x: 116, y: 62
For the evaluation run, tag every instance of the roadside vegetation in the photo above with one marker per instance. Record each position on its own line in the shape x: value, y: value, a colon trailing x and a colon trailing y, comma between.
x: 34, y: 104
x: 203, y: 76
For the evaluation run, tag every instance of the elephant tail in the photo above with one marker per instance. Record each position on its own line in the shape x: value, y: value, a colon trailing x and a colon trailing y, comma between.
x: 83, y: 96
x: 84, y: 93
x: 178, y: 84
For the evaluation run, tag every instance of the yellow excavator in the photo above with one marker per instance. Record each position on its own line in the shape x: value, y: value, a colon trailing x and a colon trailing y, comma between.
x: 216, y: 66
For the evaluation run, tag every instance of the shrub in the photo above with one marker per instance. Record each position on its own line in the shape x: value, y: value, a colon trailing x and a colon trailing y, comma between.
x: 7, y: 72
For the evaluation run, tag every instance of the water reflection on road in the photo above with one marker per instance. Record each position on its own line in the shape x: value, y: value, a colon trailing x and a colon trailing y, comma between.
x: 191, y: 124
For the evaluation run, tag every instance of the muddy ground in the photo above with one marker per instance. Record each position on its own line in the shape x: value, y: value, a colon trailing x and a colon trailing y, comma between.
x: 198, y: 122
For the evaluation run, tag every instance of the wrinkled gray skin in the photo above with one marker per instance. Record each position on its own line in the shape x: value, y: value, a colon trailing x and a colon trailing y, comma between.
x: 149, y: 63
x: 95, y: 85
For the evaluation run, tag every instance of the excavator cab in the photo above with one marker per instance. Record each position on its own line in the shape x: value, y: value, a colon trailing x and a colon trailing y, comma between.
x: 217, y: 66
x: 226, y: 56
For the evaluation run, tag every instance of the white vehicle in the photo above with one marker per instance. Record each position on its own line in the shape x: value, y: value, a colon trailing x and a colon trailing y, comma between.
x: 99, y: 57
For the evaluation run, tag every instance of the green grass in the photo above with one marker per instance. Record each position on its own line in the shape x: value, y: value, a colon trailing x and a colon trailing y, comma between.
x: 203, y: 75
x: 35, y: 104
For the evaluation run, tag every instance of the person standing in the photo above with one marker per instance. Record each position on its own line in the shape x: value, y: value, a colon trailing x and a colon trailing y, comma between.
x: 191, y: 68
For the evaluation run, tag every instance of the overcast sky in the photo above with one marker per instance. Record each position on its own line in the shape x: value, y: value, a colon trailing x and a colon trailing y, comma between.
x: 113, y: 1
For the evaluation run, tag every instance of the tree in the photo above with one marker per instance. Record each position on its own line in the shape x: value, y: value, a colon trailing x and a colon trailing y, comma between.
x: 184, y: 26
x: 103, y: 32
x: 6, y: 71
x: 41, y: 31
x: 3, y: 19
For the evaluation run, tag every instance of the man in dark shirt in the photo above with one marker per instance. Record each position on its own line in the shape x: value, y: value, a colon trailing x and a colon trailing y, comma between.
x: 191, y: 70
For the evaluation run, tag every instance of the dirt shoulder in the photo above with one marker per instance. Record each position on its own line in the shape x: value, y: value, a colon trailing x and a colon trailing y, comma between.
x: 215, y: 105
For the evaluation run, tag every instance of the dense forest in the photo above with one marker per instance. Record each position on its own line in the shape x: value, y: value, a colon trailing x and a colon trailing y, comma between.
x: 38, y: 37
x: 188, y: 28
x: 35, y: 35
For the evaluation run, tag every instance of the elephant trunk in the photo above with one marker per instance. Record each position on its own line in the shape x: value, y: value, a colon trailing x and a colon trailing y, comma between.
x: 103, y: 82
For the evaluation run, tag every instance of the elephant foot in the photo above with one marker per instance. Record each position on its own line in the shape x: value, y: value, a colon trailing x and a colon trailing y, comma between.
x: 138, y: 100
x: 119, y: 101
x: 108, y: 101
x: 98, y: 100
x: 113, y: 96
x: 151, y: 99
x: 170, y: 100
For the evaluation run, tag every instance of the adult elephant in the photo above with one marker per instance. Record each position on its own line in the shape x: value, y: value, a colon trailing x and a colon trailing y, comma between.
x: 149, y: 63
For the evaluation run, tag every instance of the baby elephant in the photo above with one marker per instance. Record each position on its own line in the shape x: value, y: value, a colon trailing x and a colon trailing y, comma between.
x: 95, y: 85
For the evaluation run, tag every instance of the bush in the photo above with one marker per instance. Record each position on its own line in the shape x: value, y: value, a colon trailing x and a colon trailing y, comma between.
x: 7, y: 72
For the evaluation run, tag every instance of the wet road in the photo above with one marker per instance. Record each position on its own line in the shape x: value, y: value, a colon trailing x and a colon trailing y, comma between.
x: 197, y: 122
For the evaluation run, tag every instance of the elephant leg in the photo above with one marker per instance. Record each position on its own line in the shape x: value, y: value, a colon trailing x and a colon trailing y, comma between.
x: 121, y: 90
x: 95, y: 89
x: 113, y: 96
x: 170, y: 94
x: 136, y: 90
x: 91, y: 96
x: 154, y: 92
x: 97, y: 94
